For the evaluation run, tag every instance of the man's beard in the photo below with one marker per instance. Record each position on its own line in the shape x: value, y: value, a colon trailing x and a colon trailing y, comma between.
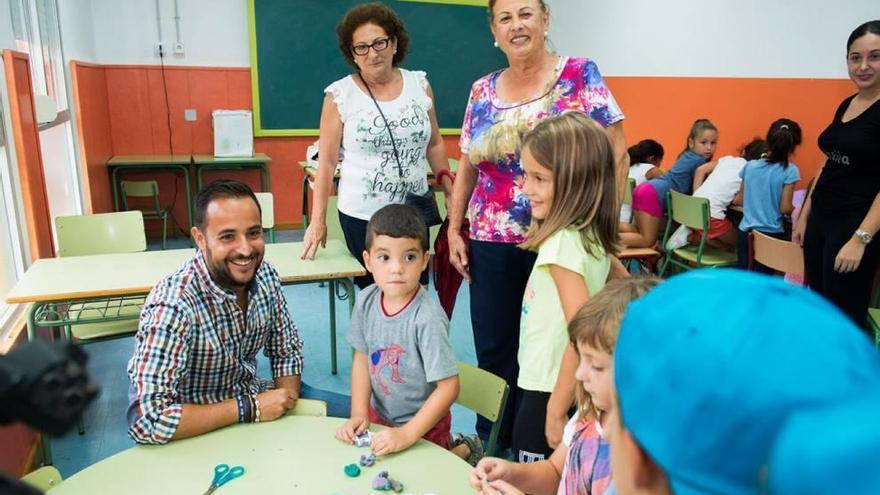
x: 222, y: 275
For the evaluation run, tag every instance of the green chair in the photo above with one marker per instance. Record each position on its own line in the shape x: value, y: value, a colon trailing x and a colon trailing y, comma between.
x: 692, y: 213
x: 485, y: 394
x: 874, y: 322
x: 267, y: 207
x: 435, y: 230
x: 104, y: 233
x: 334, y: 228
x: 628, y: 194
x: 309, y: 407
x: 43, y: 479
x: 146, y: 189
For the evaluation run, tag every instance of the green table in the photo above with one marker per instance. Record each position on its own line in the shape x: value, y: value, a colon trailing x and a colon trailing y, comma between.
x: 180, y: 163
x: 290, y: 456
x: 60, y: 289
x: 210, y: 162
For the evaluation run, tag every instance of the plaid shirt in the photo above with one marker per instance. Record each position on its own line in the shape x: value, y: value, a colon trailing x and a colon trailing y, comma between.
x: 193, y: 346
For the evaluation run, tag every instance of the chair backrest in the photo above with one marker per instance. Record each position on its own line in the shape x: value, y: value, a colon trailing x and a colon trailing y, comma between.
x: 104, y: 233
x: 309, y: 407
x: 628, y: 192
x: 435, y: 230
x: 484, y: 393
x: 43, y: 478
x: 783, y: 256
x: 334, y: 229
x: 140, y: 189
x: 689, y: 211
x: 267, y: 206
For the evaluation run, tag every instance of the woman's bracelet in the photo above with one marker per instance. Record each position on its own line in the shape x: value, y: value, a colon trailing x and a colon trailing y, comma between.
x: 438, y: 177
x: 256, y: 408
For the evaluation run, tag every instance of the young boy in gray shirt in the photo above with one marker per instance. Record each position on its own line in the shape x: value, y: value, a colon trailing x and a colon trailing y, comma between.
x: 404, y: 374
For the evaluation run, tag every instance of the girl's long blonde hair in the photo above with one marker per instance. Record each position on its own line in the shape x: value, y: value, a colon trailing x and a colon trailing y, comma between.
x: 596, y: 324
x: 579, y: 154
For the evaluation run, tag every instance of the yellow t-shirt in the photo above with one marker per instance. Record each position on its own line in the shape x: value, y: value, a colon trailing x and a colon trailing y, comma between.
x: 543, y: 331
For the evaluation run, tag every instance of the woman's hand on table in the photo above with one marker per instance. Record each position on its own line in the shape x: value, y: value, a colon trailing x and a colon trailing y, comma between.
x: 458, y: 253
x: 850, y: 256
x: 489, y: 468
x: 391, y: 440
x: 352, y: 428
x: 315, y: 234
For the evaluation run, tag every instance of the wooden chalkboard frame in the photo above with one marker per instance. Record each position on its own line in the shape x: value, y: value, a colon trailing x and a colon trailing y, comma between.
x: 259, y: 130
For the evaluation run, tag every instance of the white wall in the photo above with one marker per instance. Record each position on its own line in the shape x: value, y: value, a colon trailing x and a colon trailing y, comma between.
x: 741, y: 38
x: 6, y: 38
x: 214, y: 32
x: 77, y: 30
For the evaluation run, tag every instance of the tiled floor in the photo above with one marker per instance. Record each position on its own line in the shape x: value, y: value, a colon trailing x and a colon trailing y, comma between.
x: 105, y: 420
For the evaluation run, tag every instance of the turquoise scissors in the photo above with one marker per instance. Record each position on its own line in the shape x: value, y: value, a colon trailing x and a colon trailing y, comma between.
x: 224, y: 474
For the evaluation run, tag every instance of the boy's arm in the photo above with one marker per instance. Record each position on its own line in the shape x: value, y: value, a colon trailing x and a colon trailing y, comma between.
x: 432, y: 411
x: 360, y: 400
x: 360, y: 386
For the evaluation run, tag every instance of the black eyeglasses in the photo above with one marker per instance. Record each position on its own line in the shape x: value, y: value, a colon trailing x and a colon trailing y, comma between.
x: 378, y: 45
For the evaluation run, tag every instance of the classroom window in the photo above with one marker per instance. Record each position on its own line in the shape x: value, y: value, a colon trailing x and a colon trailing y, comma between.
x: 37, y: 32
x: 12, y: 262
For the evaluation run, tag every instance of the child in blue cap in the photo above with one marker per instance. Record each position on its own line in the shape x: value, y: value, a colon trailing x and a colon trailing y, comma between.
x: 704, y: 381
x: 829, y: 450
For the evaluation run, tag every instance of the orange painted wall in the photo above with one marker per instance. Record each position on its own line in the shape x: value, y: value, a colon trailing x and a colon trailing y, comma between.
x: 93, y: 121
x: 663, y: 108
x: 28, y: 154
x: 122, y: 111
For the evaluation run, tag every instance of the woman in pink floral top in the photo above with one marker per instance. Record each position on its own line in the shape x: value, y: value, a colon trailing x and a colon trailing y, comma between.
x: 502, y: 106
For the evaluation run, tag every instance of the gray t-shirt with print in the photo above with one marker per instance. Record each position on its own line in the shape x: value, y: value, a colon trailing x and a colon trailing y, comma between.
x: 407, y: 352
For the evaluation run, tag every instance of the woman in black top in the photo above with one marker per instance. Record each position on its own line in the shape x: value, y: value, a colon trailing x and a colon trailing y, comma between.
x: 842, y: 215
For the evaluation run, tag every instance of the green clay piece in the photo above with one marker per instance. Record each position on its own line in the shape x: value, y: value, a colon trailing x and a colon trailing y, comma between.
x: 352, y: 470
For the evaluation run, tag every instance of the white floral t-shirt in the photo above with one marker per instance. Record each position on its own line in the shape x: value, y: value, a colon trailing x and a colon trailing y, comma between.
x: 370, y: 176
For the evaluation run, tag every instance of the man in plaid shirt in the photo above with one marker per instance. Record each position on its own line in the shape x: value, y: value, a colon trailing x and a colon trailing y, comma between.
x: 194, y: 367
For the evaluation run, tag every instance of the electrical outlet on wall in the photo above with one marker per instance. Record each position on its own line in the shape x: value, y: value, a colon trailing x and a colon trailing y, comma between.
x: 159, y: 49
x: 189, y: 114
x: 179, y: 49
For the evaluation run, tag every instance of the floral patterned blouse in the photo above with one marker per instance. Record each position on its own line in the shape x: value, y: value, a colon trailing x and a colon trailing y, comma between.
x: 491, y: 138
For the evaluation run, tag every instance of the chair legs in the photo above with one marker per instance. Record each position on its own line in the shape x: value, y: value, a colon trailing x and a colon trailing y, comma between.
x: 164, y: 230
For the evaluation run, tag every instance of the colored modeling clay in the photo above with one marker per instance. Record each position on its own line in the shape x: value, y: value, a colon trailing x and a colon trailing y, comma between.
x: 352, y: 470
x: 368, y: 460
x: 364, y: 439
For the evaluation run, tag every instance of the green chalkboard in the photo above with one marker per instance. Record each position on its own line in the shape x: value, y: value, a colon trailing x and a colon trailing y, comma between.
x: 295, y: 55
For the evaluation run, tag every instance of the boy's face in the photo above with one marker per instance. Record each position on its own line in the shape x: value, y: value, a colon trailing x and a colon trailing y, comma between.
x: 396, y: 264
x: 634, y: 471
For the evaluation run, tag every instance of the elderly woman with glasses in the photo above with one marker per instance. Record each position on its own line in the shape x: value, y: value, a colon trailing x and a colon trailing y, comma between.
x: 383, y: 117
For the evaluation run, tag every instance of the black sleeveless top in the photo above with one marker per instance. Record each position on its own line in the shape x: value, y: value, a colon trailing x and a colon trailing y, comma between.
x: 851, y: 178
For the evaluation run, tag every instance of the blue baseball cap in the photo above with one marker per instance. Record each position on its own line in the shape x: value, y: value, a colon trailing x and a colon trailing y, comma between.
x: 709, y: 365
x: 829, y: 450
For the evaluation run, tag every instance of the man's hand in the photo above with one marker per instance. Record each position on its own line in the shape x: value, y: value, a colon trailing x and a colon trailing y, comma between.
x: 274, y: 403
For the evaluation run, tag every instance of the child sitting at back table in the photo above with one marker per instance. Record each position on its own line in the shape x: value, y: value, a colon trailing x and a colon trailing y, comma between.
x: 644, y: 164
x: 768, y: 188
x: 404, y: 374
x: 720, y: 187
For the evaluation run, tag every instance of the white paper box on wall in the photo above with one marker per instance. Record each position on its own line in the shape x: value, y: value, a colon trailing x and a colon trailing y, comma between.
x: 233, y: 133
